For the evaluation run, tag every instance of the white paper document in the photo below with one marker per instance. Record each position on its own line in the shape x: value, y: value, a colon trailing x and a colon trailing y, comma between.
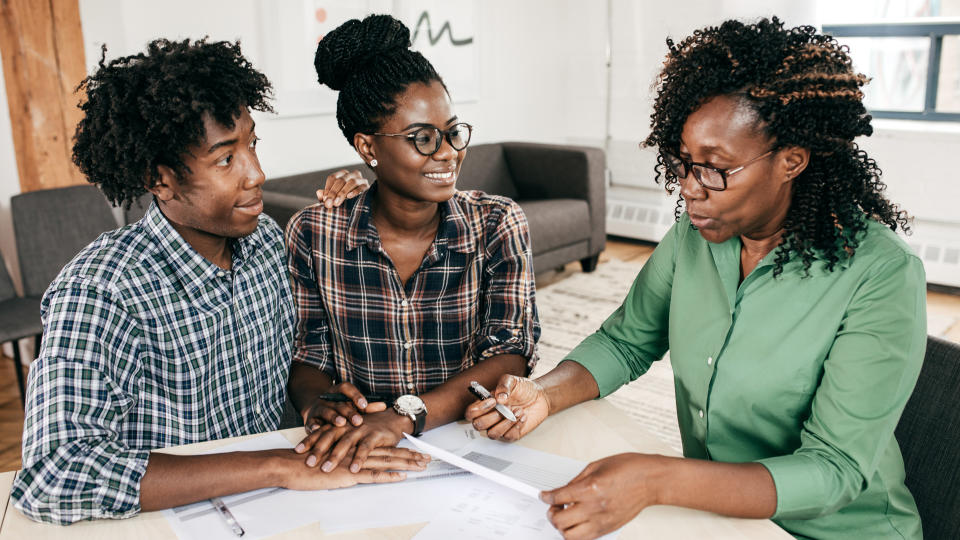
x: 476, y: 468
x: 255, y: 511
x: 488, y: 511
x: 519, y: 468
x: 425, y: 496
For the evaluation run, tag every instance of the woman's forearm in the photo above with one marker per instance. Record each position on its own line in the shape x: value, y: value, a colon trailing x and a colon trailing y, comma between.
x: 446, y: 402
x: 567, y: 385
x: 743, y: 490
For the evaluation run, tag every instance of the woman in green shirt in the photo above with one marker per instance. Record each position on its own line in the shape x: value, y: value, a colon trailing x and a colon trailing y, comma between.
x: 794, y: 315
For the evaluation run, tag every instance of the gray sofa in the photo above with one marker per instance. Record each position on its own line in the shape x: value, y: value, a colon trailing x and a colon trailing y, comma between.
x: 560, y: 188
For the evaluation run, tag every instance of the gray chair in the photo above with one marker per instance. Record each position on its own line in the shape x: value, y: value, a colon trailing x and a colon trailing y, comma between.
x: 929, y: 437
x: 53, y: 225
x: 561, y: 189
x: 50, y: 227
x: 137, y: 209
x: 19, y: 318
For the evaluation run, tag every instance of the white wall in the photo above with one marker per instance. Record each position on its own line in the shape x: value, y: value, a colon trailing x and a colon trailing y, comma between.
x: 540, y: 62
x: 9, y: 185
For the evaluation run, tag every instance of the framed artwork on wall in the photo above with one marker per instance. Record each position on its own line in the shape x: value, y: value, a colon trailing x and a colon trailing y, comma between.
x: 443, y: 31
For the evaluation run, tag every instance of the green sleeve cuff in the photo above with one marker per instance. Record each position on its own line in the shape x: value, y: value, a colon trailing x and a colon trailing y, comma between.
x: 799, y: 485
x: 603, y: 361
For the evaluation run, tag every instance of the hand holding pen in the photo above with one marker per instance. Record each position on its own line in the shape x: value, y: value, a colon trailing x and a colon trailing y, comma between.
x: 520, y: 395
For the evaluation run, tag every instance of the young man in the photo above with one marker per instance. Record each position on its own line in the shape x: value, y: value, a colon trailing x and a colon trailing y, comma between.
x: 178, y: 328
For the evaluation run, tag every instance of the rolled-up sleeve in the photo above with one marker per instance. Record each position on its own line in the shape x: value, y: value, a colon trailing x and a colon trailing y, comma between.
x: 868, y: 376
x: 509, y: 319
x: 75, y: 463
x: 311, y: 344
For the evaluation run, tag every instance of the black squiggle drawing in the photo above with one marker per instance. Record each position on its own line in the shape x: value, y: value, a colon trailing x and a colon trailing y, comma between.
x: 425, y: 18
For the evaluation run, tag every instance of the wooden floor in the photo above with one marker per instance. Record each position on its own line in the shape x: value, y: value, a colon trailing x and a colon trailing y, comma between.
x: 11, y: 416
x: 11, y: 413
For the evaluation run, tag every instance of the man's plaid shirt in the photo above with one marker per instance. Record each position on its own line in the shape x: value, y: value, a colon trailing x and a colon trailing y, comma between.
x: 146, y: 345
x: 471, y: 298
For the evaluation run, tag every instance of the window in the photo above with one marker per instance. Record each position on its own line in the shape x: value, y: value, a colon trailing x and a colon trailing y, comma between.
x: 914, y: 66
x: 909, y: 48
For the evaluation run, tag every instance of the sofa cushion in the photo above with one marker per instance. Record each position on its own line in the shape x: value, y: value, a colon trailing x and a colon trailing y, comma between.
x: 306, y: 184
x: 485, y: 168
x: 555, y: 223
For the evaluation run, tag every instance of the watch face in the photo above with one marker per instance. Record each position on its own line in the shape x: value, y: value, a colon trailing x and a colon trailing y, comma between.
x: 410, y: 404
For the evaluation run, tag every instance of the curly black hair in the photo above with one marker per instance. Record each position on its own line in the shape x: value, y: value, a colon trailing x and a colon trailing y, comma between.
x: 370, y: 63
x: 803, y: 89
x: 145, y: 110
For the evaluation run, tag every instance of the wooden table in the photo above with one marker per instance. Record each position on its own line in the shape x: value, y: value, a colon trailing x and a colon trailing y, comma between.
x: 586, y: 432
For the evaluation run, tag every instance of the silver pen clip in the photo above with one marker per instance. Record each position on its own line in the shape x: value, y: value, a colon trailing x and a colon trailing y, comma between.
x: 227, y: 516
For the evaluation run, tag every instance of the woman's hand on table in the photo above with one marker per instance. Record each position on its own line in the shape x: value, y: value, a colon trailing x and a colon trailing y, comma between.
x: 525, y: 397
x: 382, y: 465
x: 605, y: 496
x: 340, y: 186
x: 330, y: 445
x: 323, y: 412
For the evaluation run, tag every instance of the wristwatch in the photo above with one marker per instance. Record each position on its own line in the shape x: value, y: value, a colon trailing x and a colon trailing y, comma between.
x: 413, y: 408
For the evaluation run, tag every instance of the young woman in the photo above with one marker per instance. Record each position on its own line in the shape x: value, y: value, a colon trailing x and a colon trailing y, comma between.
x: 413, y: 289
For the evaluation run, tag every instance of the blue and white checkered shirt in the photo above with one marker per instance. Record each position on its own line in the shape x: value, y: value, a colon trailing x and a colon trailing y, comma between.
x: 147, y: 345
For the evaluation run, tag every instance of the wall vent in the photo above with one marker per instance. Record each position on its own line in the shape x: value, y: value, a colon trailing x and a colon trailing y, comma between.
x: 637, y: 219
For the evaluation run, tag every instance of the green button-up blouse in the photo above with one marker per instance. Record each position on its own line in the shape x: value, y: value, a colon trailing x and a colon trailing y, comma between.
x: 806, y: 375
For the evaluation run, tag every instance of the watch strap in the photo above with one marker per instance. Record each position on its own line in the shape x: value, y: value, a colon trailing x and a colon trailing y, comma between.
x: 419, y: 420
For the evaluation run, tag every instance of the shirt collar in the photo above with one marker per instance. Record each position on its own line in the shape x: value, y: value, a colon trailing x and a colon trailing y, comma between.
x: 453, y: 233
x: 792, y: 259
x: 187, y: 265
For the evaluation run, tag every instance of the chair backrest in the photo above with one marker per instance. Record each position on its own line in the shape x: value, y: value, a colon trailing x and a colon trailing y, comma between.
x: 53, y: 225
x: 137, y: 209
x: 485, y: 168
x: 929, y: 437
x: 6, y: 284
x: 306, y: 184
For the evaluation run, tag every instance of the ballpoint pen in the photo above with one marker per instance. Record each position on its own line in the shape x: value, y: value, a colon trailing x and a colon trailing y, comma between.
x: 338, y: 397
x: 478, y: 390
x: 227, y: 516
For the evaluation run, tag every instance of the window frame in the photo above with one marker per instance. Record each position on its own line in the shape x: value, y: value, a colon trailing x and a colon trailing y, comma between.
x: 935, y: 30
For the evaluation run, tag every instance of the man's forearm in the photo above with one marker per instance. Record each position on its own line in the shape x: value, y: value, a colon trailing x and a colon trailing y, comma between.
x: 446, y: 402
x: 177, y: 480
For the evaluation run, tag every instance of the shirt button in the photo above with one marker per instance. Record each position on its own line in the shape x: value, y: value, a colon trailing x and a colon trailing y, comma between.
x: 404, y: 303
x: 221, y: 274
x: 709, y: 360
x: 701, y: 413
x: 529, y: 310
x: 410, y: 385
x: 407, y: 345
x: 257, y: 408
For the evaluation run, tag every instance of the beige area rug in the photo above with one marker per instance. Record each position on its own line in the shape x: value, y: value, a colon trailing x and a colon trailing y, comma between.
x: 574, y: 308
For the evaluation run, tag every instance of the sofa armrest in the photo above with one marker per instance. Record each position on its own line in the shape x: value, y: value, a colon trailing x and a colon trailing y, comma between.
x: 282, y: 206
x: 547, y: 171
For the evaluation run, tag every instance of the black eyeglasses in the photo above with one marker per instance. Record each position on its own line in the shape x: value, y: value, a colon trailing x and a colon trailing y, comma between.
x: 427, y: 139
x: 709, y: 177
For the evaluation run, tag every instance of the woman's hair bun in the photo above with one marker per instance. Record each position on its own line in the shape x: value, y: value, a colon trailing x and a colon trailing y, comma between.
x: 351, y: 46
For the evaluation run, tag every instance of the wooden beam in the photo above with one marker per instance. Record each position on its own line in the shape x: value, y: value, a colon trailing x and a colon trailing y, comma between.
x: 43, y: 62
